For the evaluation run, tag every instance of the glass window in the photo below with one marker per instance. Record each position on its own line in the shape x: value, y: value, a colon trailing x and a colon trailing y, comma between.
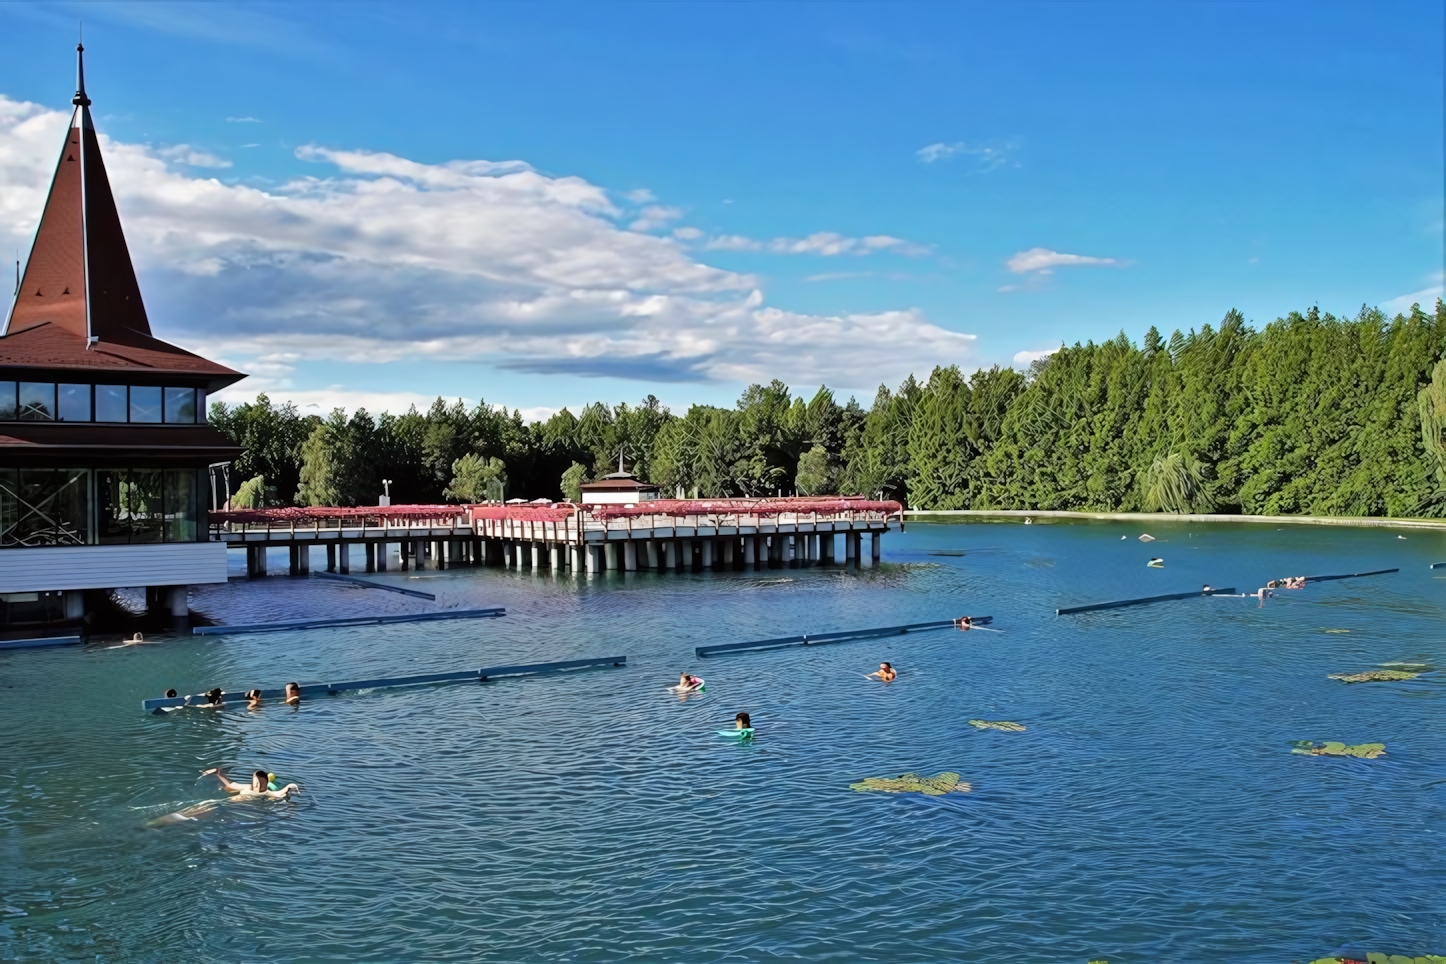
x: 180, y: 405
x: 7, y: 401
x: 113, y: 517
x: 74, y: 403
x: 37, y: 401
x: 44, y: 507
x: 145, y: 403
x: 110, y: 403
x: 200, y: 404
x: 180, y: 505
x: 143, y: 502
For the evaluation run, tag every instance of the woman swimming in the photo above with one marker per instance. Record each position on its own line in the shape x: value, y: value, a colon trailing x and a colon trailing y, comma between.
x: 253, y: 699
x: 687, y: 683
x: 215, y: 700
x: 742, y: 722
x: 886, y: 672
x: 293, y: 694
x: 261, y: 785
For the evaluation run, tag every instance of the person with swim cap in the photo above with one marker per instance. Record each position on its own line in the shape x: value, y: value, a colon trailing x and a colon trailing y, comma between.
x: 170, y: 694
x: 293, y: 694
x: 886, y: 672
x: 262, y: 785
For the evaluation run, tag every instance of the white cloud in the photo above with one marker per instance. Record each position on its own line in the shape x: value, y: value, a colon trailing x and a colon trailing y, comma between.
x: 641, y: 196
x: 376, y: 258
x: 322, y: 401
x: 824, y: 243
x: 190, y: 156
x: 1426, y: 298
x: 242, y: 120
x: 1043, y: 260
x: 1023, y: 359
x: 985, y: 158
x: 655, y: 216
x: 687, y: 234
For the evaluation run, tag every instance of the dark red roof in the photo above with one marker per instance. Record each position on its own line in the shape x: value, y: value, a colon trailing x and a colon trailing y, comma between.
x: 64, y: 442
x: 79, y: 282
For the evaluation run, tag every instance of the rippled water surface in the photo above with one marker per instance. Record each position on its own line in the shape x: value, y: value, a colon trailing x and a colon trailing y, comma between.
x: 1151, y: 811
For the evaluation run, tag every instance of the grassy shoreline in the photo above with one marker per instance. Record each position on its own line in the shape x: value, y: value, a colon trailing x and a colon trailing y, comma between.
x: 923, y: 515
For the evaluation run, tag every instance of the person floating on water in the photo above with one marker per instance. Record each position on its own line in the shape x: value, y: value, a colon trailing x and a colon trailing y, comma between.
x: 293, y: 694
x: 170, y: 694
x: 1206, y: 589
x: 687, y: 683
x: 964, y: 623
x: 742, y: 722
x: 215, y: 700
x: 253, y: 699
x: 262, y: 785
x: 886, y: 672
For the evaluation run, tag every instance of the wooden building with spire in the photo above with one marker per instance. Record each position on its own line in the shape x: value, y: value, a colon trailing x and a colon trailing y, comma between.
x: 104, y: 445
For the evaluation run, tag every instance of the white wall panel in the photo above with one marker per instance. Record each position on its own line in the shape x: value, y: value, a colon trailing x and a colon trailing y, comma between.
x: 111, y: 567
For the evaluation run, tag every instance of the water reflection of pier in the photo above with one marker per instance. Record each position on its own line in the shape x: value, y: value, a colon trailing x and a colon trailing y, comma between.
x: 661, y: 534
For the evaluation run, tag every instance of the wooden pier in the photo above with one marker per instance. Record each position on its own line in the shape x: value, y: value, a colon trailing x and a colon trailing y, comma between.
x: 666, y: 535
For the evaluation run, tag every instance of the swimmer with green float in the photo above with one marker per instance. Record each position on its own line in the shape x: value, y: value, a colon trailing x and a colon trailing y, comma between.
x: 262, y: 785
x: 742, y: 728
x: 688, y: 683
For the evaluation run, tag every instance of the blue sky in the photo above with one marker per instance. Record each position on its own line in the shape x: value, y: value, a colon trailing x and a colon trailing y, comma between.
x: 683, y: 197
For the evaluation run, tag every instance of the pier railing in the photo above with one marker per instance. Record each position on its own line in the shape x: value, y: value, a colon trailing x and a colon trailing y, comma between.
x: 560, y: 521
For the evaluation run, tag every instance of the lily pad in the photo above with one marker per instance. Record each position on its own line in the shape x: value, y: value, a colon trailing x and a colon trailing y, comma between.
x: 1005, y: 725
x: 1374, y: 676
x: 935, y: 786
x: 1364, y: 751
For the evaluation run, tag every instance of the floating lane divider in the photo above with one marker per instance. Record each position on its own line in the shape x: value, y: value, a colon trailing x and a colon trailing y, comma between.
x: 1438, y: 565
x: 785, y: 642
x: 1121, y: 603
x: 375, y: 585
x: 1351, y: 575
x: 350, y: 621
x: 484, y: 675
x: 39, y: 641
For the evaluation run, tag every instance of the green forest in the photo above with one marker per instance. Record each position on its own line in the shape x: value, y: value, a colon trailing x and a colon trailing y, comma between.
x: 1311, y: 414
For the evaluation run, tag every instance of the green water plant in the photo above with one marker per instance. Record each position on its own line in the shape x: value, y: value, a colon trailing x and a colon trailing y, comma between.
x: 1365, y: 751
x: 1005, y: 725
x: 935, y: 786
x: 1374, y: 676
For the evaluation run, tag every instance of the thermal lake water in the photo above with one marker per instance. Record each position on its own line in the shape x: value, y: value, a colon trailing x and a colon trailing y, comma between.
x: 1151, y: 811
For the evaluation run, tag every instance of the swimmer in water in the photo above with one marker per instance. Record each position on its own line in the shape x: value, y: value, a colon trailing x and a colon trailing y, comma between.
x: 742, y: 722
x: 293, y: 694
x: 687, y: 683
x: 215, y: 700
x: 964, y: 623
x: 170, y: 694
x: 253, y: 699
x: 261, y: 785
x: 886, y: 672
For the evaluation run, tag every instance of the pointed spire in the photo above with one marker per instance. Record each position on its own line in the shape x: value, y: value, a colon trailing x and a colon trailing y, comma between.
x: 79, y: 275
x: 80, y: 100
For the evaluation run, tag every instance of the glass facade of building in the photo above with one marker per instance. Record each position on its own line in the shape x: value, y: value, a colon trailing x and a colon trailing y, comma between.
x: 77, y: 402
x: 77, y: 507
